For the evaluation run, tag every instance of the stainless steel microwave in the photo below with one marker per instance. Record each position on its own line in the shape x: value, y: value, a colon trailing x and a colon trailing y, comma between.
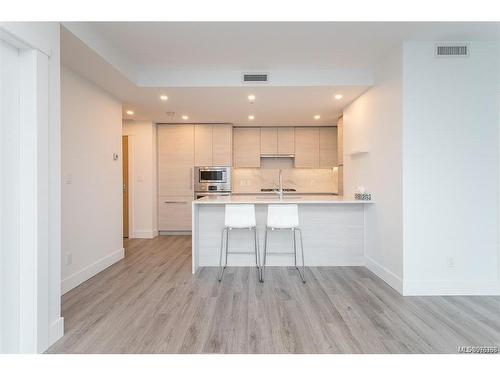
x: 212, y: 178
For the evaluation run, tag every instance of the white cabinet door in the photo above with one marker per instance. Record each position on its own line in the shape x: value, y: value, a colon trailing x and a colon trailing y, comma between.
x: 246, y: 147
x: 307, y: 147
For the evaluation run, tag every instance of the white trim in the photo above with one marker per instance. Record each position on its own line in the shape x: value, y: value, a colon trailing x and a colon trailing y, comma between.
x: 450, y: 288
x: 93, y: 269
x: 56, y: 330
x: 388, y: 276
x: 145, y: 234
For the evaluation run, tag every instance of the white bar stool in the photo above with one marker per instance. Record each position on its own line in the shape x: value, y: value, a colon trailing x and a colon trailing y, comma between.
x: 239, y: 216
x: 284, y: 217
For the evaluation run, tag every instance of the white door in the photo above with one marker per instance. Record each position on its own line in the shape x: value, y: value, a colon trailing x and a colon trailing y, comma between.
x: 9, y: 198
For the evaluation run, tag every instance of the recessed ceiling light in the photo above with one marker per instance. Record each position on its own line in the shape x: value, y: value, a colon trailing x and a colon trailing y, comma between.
x: 164, y: 97
x: 129, y: 112
x: 338, y: 96
x: 251, y: 117
x: 185, y: 117
x: 317, y: 117
x: 251, y: 98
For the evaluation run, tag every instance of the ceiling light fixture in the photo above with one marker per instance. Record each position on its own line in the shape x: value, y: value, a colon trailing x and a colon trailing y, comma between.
x: 338, y: 96
x: 251, y: 117
x: 129, y: 112
x: 251, y: 98
x: 164, y: 97
x: 185, y: 117
x: 317, y: 117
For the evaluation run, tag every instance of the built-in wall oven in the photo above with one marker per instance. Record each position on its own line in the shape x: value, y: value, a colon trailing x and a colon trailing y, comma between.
x: 212, y: 181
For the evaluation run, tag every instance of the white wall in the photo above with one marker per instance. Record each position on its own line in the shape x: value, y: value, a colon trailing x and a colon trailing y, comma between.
x: 450, y: 178
x: 143, y: 206
x: 39, y: 162
x: 373, y: 123
x: 92, y: 180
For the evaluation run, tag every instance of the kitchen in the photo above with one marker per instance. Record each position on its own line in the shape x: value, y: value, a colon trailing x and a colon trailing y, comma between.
x: 221, y: 164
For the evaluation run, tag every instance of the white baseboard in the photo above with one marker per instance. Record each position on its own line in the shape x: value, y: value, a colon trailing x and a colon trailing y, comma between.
x: 450, y: 288
x: 388, y: 276
x: 144, y: 234
x: 93, y: 269
x: 56, y: 330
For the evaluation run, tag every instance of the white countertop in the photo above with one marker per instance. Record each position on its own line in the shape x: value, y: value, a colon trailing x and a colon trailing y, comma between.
x: 274, y: 198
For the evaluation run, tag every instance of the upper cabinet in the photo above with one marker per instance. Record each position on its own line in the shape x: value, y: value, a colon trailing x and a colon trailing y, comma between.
x: 286, y: 141
x: 307, y: 147
x: 222, y: 145
x: 212, y: 145
x: 277, y: 141
x: 316, y: 147
x: 268, y: 141
x: 203, y: 145
x: 328, y: 147
x: 246, y: 147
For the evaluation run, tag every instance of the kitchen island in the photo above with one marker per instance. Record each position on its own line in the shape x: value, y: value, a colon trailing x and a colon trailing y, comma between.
x: 332, y: 226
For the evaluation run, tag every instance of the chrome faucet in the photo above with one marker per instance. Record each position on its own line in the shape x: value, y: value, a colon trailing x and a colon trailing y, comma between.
x: 280, y: 189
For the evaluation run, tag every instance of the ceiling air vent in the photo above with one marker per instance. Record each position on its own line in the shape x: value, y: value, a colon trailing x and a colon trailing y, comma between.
x: 451, y: 50
x: 255, y: 77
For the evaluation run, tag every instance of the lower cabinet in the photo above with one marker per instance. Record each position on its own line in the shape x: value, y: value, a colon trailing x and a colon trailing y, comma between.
x: 174, y: 212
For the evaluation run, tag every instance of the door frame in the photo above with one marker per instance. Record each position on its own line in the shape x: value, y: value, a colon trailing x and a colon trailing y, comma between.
x: 36, y: 202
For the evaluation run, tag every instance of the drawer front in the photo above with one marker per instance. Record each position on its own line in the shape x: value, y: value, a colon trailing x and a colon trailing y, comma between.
x: 174, y: 212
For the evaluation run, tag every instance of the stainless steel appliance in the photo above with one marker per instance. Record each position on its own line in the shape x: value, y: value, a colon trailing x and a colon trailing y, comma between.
x: 212, y: 180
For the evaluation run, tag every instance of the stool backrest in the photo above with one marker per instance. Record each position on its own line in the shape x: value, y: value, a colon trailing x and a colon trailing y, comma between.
x: 283, y: 216
x: 240, y: 216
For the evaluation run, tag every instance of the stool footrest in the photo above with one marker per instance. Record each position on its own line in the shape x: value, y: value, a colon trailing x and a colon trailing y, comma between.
x: 241, y: 253
x: 278, y: 253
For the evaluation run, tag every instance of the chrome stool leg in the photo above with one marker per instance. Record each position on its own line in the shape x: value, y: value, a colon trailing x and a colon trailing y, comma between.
x: 303, y: 273
x: 265, y: 257
x: 257, y: 254
x: 221, y: 268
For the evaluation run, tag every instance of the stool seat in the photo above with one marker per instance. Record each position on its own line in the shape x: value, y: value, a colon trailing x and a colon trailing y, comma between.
x: 240, y: 216
x: 283, y: 216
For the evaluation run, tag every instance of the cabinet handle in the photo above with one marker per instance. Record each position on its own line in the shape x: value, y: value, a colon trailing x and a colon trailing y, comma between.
x: 175, y: 202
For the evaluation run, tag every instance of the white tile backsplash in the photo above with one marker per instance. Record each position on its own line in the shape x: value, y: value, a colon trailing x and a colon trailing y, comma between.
x: 251, y: 180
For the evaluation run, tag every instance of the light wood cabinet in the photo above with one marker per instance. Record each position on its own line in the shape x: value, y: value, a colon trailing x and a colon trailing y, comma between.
x: 268, y: 141
x: 307, y: 147
x: 212, y: 145
x: 340, y: 141
x: 174, y: 212
x: 246, y: 147
x: 327, y: 147
x: 175, y: 159
x: 222, y: 145
x: 286, y: 141
x: 203, y: 145
x: 277, y: 141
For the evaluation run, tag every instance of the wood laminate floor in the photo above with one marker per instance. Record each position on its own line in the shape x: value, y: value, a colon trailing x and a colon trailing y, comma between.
x: 151, y: 303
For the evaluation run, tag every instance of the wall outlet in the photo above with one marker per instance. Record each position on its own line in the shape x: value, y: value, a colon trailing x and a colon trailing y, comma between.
x: 68, y: 179
x: 450, y: 262
x: 69, y: 259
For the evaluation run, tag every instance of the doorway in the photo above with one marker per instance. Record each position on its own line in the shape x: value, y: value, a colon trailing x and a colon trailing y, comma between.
x: 125, y: 167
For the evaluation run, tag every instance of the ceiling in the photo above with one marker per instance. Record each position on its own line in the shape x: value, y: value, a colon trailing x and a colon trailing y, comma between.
x: 199, y: 65
x: 274, y: 45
